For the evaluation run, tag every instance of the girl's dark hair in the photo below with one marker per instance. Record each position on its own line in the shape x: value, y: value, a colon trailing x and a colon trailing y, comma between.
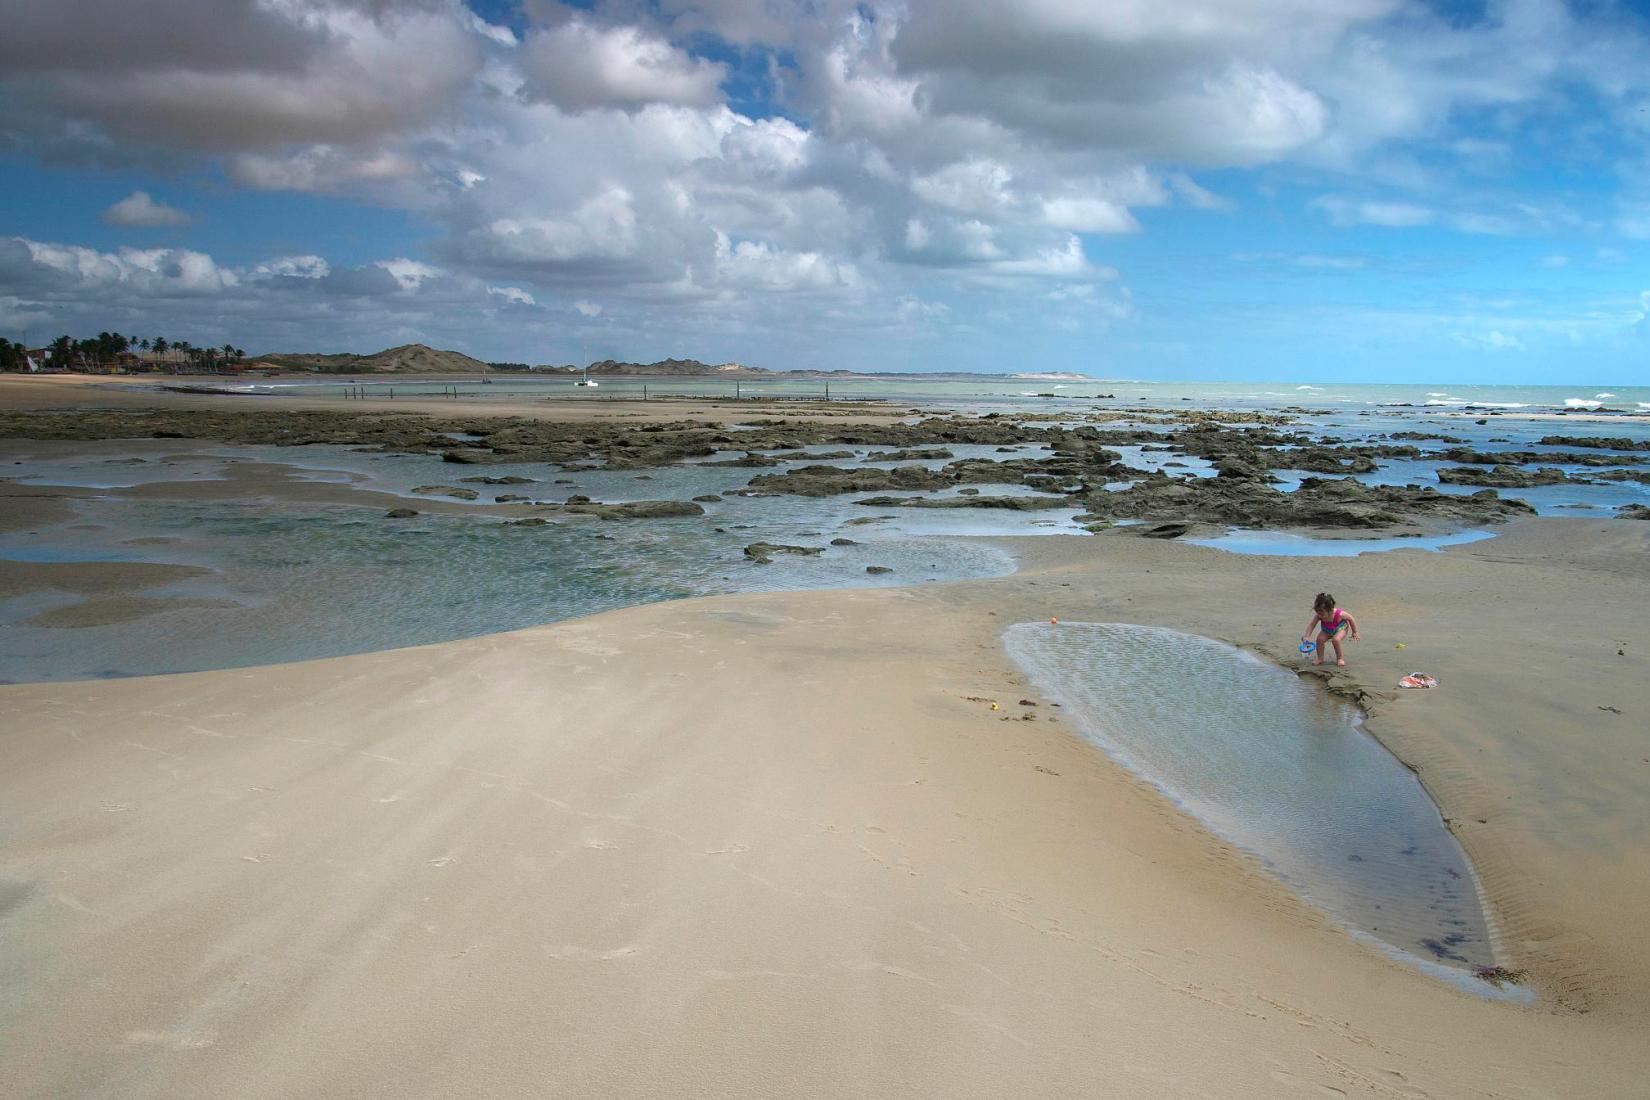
x: 1323, y: 601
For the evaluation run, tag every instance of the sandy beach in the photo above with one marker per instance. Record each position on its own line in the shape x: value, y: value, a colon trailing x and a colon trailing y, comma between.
x: 783, y: 844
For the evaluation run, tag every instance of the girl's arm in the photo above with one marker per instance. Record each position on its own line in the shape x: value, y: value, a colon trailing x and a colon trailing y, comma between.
x: 1306, y: 635
x: 1354, y: 623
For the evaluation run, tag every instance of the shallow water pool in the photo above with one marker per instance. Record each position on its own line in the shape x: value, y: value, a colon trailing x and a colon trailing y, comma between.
x: 1275, y: 765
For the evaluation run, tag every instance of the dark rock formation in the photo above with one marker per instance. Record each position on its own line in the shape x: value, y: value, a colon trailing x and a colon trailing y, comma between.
x: 825, y: 481
x: 1640, y: 476
x: 1319, y: 502
x: 638, y: 509
x: 909, y: 454
x: 1501, y: 477
x: 446, y: 491
x: 1523, y: 458
x: 1608, y: 443
x: 1012, y: 504
x: 762, y: 552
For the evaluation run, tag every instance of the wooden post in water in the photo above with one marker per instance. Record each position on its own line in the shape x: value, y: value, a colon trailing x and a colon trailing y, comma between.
x: 827, y: 389
x: 644, y: 391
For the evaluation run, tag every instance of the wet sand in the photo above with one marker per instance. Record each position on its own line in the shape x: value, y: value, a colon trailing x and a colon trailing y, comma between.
x: 780, y: 844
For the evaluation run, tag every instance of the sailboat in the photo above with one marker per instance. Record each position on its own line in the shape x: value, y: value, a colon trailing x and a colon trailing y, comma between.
x: 585, y: 381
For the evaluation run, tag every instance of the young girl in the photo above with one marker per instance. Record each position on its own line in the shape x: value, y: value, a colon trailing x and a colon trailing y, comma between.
x: 1331, y: 622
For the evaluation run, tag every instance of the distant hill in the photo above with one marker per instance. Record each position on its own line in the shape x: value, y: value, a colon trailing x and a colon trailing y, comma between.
x: 406, y: 359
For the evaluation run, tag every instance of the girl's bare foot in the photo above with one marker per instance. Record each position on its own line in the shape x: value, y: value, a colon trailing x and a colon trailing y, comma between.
x: 1317, y: 660
x: 1341, y: 662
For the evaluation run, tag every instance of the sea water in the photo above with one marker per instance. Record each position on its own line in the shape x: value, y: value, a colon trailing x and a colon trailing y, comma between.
x: 1276, y: 766
x: 918, y: 389
x: 305, y: 580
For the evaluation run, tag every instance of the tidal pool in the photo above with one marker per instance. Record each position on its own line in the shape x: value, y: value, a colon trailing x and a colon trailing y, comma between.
x: 1276, y: 766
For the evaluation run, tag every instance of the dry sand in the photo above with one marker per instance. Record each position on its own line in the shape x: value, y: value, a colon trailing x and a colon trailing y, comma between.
x: 766, y: 845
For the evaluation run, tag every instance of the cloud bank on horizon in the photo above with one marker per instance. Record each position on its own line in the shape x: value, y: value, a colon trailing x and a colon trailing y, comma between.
x: 1214, y: 188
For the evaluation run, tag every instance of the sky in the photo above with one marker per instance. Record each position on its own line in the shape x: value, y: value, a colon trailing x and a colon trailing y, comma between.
x: 1335, y: 190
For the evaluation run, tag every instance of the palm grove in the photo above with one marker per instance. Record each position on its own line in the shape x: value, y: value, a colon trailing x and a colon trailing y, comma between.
x: 108, y: 350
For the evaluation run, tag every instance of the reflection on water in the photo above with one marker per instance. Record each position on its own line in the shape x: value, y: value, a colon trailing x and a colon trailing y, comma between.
x: 1276, y: 766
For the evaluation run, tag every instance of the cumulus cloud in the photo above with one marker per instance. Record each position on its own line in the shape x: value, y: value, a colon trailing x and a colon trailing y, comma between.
x: 160, y: 272
x: 581, y: 66
x: 139, y: 210
x: 287, y: 301
x: 320, y: 168
x: 226, y: 75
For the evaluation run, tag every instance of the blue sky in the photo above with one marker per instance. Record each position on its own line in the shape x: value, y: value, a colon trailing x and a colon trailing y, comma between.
x: 1294, y: 189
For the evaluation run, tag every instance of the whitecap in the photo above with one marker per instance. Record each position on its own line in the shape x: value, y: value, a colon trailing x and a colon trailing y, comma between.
x: 1581, y: 403
x: 1602, y: 396
x: 1309, y: 387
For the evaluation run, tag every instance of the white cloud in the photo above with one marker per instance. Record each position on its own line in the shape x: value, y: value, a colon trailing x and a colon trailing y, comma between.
x: 320, y: 168
x: 513, y: 294
x: 1088, y: 215
x: 1492, y: 340
x: 408, y: 274
x: 752, y: 265
x: 1066, y: 260
x: 140, y: 210
x: 1194, y: 194
x: 292, y: 267
x: 1347, y: 212
x: 170, y: 271
x: 587, y: 309
x: 500, y: 36
x: 298, y: 302
x: 239, y: 75
x: 581, y: 67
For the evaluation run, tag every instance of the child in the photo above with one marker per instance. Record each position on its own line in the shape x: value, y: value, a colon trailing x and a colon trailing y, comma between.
x: 1331, y: 622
